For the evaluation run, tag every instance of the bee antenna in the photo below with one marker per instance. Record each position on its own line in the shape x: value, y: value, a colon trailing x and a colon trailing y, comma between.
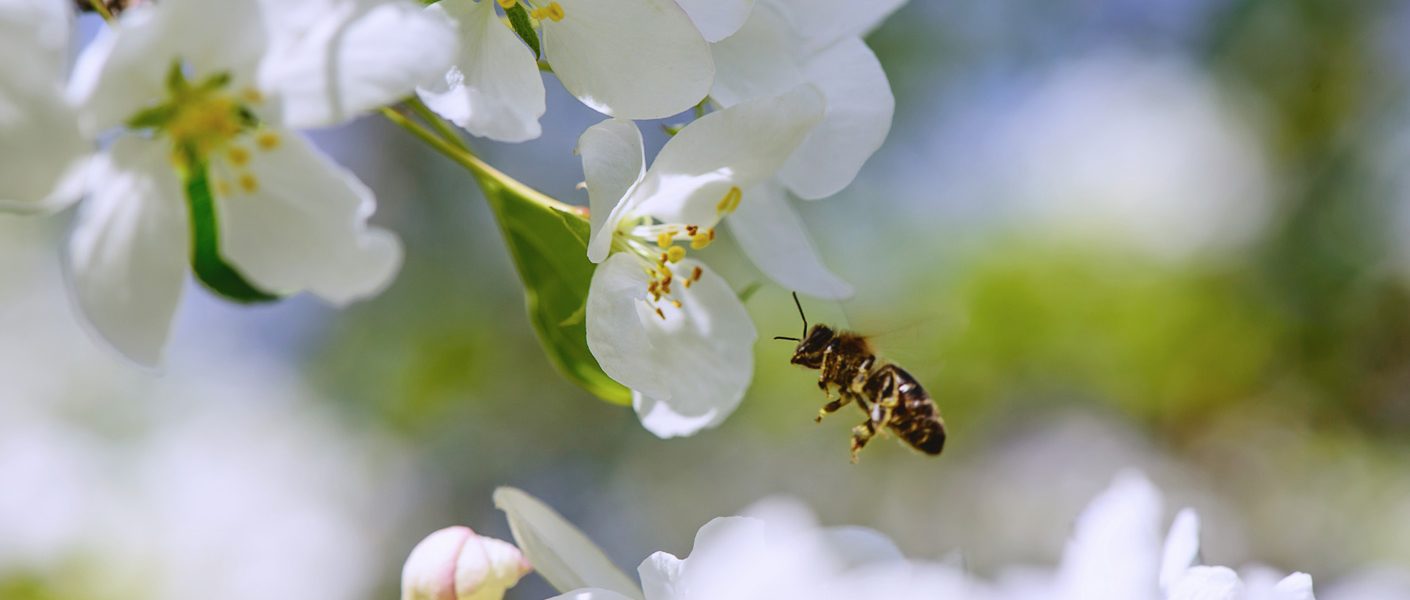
x: 799, y: 304
x: 784, y: 337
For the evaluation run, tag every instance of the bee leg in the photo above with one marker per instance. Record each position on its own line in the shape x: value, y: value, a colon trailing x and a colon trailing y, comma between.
x: 829, y: 364
x: 832, y: 407
x: 861, y: 434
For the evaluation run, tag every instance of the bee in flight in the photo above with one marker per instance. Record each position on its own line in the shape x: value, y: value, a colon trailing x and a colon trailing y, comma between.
x: 886, y: 393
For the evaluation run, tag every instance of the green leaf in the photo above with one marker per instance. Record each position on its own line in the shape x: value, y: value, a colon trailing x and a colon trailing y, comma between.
x: 549, y: 246
x: 519, y: 20
x: 209, y: 266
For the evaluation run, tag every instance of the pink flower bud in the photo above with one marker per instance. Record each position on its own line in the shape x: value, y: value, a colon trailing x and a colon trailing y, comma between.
x: 457, y: 564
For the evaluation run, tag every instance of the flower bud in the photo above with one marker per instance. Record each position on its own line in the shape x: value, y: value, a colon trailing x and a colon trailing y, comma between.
x: 457, y: 564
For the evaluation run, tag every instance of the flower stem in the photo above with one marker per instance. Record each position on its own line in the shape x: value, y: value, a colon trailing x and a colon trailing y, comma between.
x: 483, y: 172
x: 437, y: 123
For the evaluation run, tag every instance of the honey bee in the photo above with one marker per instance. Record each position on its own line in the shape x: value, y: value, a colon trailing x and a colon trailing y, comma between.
x: 886, y: 393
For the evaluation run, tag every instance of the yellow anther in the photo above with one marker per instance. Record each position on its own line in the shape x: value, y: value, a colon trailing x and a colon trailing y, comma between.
x: 676, y: 253
x: 676, y: 303
x: 238, y: 156
x: 552, y: 12
x: 248, y: 183
x: 267, y: 140
x: 507, y: 4
x: 665, y: 238
x: 251, y: 96
x: 702, y: 239
x: 660, y: 314
x: 222, y: 188
x: 696, y: 273
x: 730, y: 202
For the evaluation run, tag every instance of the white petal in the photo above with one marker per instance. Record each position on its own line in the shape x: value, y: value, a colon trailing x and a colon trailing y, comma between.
x: 357, y: 57
x: 742, y: 145
x: 615, y: 334
x: 1112, y: 553
x: 857, y: 546
x: 39, y: 136
x: 689, y: 370
x: 773, y: 236
x: 494, y: 88
x: 613, y: 162
x: 558, y: 550
x: 304, y: 226
x: 635, y: 59
x: 761, y: 59
x: 1181, y: 548
x: 592, y: 594
x: 819, y: 23
x: 37, y: 30
x: 128, y: 253
x: 1207, y: 583
x: 124, y: 69
x: 717, y: 19
x: 660, y: 576
x: 859, y: 111
x: 1297, y: 586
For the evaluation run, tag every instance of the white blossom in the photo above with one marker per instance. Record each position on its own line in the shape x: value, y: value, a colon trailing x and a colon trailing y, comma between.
x: 217, y: 84
x: 632, y: 59
x: 659, y: 322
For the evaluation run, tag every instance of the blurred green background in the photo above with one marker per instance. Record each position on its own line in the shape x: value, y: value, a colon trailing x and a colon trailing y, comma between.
x: 1103, y: 233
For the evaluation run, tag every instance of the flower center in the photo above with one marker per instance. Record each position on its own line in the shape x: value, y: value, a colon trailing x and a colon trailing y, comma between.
x: 656, y: 245
x: 206, y: 121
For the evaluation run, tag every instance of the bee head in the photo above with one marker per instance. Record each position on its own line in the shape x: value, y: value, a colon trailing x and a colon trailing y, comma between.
x: 809, y: 352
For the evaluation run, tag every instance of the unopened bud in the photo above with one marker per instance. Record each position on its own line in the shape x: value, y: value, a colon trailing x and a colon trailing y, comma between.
x: 455, y: 563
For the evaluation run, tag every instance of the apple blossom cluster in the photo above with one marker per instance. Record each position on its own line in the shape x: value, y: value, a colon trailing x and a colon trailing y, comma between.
x: 777, y: 550
x: 177, y: 133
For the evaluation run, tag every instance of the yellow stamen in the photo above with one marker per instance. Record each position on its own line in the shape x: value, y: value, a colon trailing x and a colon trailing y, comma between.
x: 703, y: 239
x: 660, y: 314
x: 665, y: 238
x: 248, y: 183
x: 695, y: 274
x: 552, y: 12
x: 730, y: 202
x: 267, y: 140
x: 676, y: 253
x: 238, y: 156
x: 507, y: 4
